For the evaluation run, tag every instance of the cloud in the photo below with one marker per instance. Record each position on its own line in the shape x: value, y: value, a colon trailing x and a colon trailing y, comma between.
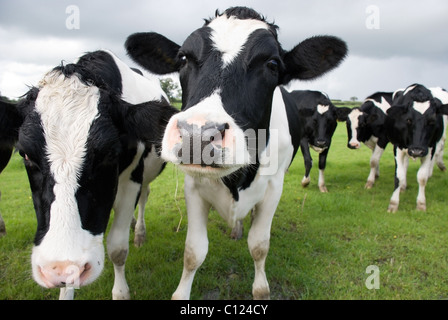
x: 409, y: 46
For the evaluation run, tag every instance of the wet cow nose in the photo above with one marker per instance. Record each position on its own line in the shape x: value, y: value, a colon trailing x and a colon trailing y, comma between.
x: 201, y: 144
x: 62, y: 273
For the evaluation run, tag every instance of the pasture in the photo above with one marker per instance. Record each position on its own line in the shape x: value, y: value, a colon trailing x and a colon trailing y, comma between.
x: 321, y: 244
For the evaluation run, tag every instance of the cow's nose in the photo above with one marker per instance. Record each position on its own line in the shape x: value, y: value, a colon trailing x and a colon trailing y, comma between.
x: 353, y: 145
x: 320, y: 143
x: 417, y: 152
x: 64, y: 273
x: 201, y: 144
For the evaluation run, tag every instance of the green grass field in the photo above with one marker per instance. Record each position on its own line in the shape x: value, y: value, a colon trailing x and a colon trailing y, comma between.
x: 321, y: 244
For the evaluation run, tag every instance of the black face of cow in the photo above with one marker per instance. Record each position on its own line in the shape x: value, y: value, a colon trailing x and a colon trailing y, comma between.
x: 321, y: 124
x: 414, y: 121
x: 228, y: 70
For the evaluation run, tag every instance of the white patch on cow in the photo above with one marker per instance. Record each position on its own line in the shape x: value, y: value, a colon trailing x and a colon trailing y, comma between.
x: 354, y: 123
x: 383, y: 105
x: 136, y: 88
x: 440, y: 94
x: 421, y: 106
x: 67, y: 108
x: 229, y: 35
x: 322, y: 108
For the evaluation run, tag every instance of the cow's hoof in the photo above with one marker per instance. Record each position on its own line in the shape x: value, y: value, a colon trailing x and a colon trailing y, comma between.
x: 323, y: 189
x: 421, y: 206
x: 393, y: 207
x: 139, y: 240
x: 305, y: 182
x: 369, y: 185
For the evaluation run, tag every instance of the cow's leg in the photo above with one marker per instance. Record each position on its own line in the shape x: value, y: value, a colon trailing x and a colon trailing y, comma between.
x: 2, y: 223
x: 322, y: 164
x: 140, y: 226
x: 118, y: 238
x: 401, y: 165
x: 374, y: 166
x: 440, y: 146
x: 196, y: 244
x: 237, y: 230
x: 2, y: 227
x: 423, y: 175
x: 305, y: 148
x: 259, y: 237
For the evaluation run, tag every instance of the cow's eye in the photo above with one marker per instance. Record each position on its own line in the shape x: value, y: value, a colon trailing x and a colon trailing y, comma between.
x: 183, y: 60
x: 272, y: 64
x: 409, y: 121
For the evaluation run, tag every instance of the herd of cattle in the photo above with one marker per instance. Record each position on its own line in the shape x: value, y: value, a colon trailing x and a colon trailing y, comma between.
x: 95, y: 133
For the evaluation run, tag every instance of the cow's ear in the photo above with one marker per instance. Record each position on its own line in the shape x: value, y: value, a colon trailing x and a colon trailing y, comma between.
x: 443, y: 109
x: 153, y: 51
x: 10, y: 122
x: 313, y: 57
x: 144, y: 121
x: 342, y: 113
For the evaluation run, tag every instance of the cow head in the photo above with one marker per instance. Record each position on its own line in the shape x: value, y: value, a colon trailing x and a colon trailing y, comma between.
x: 228, y: 71
x: 321, y: 122
x: 75, y: 138
x: 414, y: 121
x: 358, y: 127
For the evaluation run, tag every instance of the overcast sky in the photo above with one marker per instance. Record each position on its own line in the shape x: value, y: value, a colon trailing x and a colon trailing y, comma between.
x: 392, y: 43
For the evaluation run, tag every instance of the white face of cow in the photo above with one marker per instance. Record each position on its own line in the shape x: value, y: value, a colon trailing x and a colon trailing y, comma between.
x: 353, y: 124
x: 70, y: 152
x: 66, y: 251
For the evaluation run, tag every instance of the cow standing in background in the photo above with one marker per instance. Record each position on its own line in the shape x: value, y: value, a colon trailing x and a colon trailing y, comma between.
x: 415, y: 127
x: 366, y: 124
x: 320, y: 118
x: 235, y: 137
x: 90, y: 136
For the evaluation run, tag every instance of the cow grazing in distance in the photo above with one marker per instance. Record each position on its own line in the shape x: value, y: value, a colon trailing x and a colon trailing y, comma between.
x: 320, y: 118
x: 235, y: 136
x: 414, y: 126
x: 366, y: 124
x: 90, y: 135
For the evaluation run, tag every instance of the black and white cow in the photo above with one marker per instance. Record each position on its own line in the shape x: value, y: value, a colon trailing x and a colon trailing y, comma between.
x: 90, y: 135
x: 235, y: 136
x: 320, y: 119
x: 366, y: 124
x: 415, y: 127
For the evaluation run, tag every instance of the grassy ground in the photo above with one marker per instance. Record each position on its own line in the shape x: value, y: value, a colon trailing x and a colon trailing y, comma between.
x: 321, y: 244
